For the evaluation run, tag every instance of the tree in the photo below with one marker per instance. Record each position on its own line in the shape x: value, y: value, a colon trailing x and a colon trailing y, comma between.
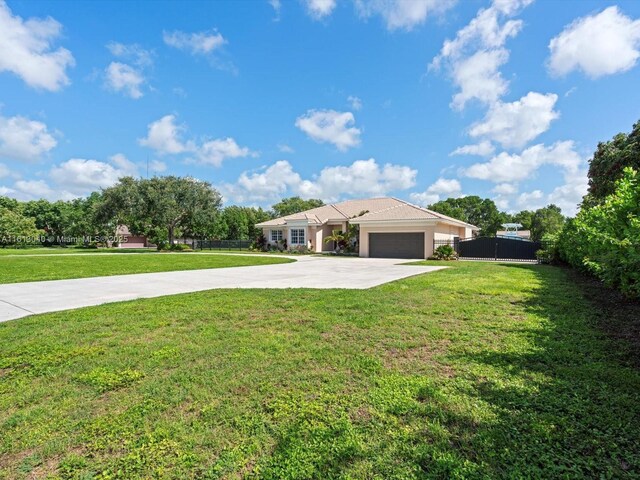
x: 289, y: 206
x: 16, y: 228
x: 161, y: 208
x: 605, y: 239
x: 524, y: 218
x: 482, y: 213
x: 608, y: 163
x: 546, y: 221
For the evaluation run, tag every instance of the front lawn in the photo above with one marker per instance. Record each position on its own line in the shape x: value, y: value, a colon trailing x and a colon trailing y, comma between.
x: 56, y: 267
x: 477, y: 371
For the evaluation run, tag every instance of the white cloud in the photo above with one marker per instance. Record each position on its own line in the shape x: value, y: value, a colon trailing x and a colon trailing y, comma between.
x: 514, y: 167
x: 24, y: 139
x: 4, y: 171
x: 478, y: 77
x: 483, y: 149
x: 124, y: 165
x: 34, y: 189
x: 199, y: 43
x: 120, y: 77
x: 402, y: 14
x: 284, y: 148
x: 505, y: 189
x: 361, y: 178
x: 329, y: 126
x: 514, y: 124
x: 319, y: 9
x: 602, y: 44
x: 164, y: 137
x: 123, y: 77
x: 277, y: 7
x: 157, y: 166
x: 475, y: 55
x: 26, y: 49
x: 81, y: 176
x: 531, y: 200
x: 354, y: 102
x: 569, y: 195
x: 267, y: 186
x: 133, y: 52
x: 442, y: 188
x: 214, y: 152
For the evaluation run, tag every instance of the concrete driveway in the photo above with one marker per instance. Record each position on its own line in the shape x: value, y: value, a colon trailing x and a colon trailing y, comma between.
x: 22, y: 299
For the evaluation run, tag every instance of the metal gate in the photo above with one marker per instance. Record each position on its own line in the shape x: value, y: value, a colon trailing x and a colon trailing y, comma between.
x: 493, y: 248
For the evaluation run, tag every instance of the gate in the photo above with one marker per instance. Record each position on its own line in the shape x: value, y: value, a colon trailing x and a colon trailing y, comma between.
x: 493, y: 248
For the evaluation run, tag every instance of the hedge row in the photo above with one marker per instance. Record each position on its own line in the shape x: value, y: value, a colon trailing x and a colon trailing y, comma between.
x: 605, y: 239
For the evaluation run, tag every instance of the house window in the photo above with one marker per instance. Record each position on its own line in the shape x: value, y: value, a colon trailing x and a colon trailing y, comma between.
x: 276, y: 235
x: 297, y: 236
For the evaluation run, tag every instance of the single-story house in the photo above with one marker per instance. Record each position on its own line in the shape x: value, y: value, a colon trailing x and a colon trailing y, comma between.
x: 130, y: 240
x: 389, y: 228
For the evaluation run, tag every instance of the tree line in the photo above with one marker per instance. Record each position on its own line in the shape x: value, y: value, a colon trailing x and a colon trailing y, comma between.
x: 604, y: 237
x: 161, y: 208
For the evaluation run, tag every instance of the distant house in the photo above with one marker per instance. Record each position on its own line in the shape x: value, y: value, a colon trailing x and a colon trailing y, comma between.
x: 389, y: 228
x: 130, y: 240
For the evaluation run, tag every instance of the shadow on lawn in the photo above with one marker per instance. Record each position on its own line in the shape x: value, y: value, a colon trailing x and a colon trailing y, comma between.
x: 568, y: 404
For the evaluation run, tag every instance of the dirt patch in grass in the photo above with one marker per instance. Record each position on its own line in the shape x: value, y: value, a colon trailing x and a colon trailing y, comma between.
x: 416, y: 358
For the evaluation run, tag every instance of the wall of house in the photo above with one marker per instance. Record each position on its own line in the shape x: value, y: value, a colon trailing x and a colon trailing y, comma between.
x: 447, y: 232
x: 428, y: 236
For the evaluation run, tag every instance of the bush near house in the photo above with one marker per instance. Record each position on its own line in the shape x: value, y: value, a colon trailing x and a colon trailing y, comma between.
x: 445, y: 252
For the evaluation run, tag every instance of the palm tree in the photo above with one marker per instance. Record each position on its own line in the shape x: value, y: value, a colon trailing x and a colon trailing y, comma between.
x: 337, y: 237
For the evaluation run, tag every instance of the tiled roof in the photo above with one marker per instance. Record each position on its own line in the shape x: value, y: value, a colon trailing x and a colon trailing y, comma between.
x: 377, y: 209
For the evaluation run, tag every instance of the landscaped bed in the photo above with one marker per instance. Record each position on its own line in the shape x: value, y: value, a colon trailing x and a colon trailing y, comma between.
x: 56, y: 267
x: 479, y: 370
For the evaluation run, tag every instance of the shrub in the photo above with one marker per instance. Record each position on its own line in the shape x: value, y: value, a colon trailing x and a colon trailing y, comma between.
x: 260, y: 244
x: 180, y: 247
x: 445, y: 252
x: 605, y: 239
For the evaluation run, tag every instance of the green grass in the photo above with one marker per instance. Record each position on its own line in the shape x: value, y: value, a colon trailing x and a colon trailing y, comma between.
x: 476, y: 371
x: 56, y: 267
x: 69, y: 250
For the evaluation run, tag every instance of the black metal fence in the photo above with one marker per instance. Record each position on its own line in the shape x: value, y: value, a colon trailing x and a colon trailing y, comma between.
x: 495, y: 248
x: 221, y: 244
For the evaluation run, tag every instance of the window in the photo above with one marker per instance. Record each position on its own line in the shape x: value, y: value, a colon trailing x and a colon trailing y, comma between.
x: 297, y: 236
x: 276, y: 235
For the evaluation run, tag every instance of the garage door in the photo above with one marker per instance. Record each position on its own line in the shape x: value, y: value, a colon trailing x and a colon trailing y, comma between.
x: 396, y: 245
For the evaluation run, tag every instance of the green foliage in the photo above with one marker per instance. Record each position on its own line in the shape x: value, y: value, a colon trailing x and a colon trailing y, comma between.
x: 289, y: 206
x: 238, y: 223
x: 608, y: 163
x: 605, y: 239
x: 482, y: 213
x: 445, y: 252
x: 104, y: 380
x: 546, y: 221
x: 16, y: 228
x: 162, y: 208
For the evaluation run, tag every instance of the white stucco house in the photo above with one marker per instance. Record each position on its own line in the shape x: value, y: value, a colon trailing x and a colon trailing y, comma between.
x: 389, y: 227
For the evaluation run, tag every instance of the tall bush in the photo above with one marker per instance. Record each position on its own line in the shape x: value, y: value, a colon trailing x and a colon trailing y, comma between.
x: 605, y: 239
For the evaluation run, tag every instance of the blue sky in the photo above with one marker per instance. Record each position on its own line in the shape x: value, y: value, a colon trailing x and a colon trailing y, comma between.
x: 419, y: 99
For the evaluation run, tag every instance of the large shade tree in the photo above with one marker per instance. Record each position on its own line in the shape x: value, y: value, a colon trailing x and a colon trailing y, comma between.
x: 161, y: 207
x: 608, y: 164
x: 477, y: 211
x: 291, y: 205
